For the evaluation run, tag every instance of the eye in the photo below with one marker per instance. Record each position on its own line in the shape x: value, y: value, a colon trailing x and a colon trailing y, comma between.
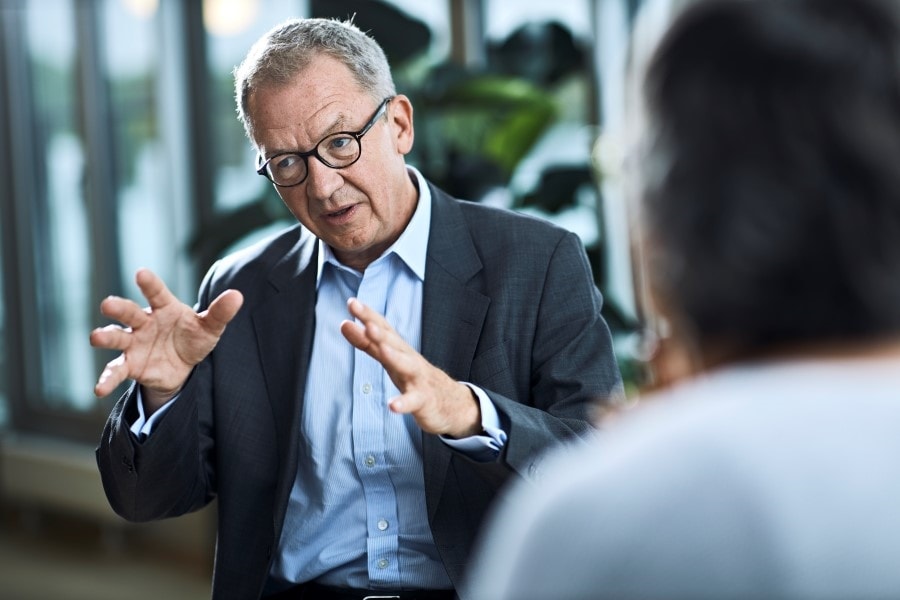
x: 338, y: 143
x: 287, y: 161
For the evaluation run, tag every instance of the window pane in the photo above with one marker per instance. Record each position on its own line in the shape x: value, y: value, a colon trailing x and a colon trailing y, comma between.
x: 60, y: 221
x: 232, y: 26
x: 152, y: 223
x: 549, y: 45
x: 434, y: 15
x: 4, y: 366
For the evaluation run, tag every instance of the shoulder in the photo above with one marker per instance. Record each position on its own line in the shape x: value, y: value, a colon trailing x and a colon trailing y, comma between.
x: 290, y: 248
x: 482, y: 215
x: 592, y: 506
x: 664, y: 455
x: 689, y: 494
x: 500, y: 229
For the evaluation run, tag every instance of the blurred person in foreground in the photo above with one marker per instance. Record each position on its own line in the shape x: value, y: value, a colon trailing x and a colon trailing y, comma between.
x: 770, y: 233
x: 355, y: 390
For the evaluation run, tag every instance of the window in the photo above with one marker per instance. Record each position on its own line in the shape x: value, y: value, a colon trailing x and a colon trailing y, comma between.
x: 231, y: 28
x: 4, y: 365
x: 548, y: 45
x: 59, y: 218
x: 244, y: 206
x: 99, y: 181
x: 148, y: 160
x: 105, y: 186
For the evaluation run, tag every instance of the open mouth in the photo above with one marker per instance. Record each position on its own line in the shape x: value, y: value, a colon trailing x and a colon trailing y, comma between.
x: 340, y: 213
x: 342, y: 216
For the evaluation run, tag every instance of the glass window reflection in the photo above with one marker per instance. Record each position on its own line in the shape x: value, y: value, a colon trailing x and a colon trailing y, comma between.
x: 4, y: 366
x: 549, y: 46
x: 60, y: 220
x: 145, y: 169
x: 231, y: 28
x: 243, y: 200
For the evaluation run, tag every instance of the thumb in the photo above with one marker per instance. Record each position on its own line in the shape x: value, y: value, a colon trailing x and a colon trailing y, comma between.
x: 222, y: 310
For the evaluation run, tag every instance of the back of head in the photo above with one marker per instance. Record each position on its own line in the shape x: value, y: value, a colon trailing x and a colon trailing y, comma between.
x: 288, y: 48
x: 771, y: 200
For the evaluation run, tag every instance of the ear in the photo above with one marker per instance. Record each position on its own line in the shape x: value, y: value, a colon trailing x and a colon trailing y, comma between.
x: 401, y: 119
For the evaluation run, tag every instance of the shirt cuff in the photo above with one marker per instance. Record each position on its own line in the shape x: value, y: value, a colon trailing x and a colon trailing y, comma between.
x: 486, y: 446
x: 142, y: 426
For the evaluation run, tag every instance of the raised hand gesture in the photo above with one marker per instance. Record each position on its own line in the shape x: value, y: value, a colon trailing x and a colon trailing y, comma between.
x: 439, y: 404
x: 160, y: 344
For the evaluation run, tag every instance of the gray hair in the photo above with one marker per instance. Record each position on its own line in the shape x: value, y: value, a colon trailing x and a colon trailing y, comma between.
x: 279, y: 55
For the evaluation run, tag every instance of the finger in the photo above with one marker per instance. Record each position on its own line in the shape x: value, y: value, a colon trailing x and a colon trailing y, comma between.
x: 366, y: 315
x: 111, y: 337
x: 356, y: 335
x: 153, y: 289
x: 372, y: 340
x: 405, y: 403
x: 375, y: 336
x: 124, y: 311
x: 378, y: 329
x: 222, y: 310
x: 115, y: 372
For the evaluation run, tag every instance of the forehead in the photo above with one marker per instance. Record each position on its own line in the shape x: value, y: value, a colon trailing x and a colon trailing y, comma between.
x: 322, y: 98
x: 326, y: 72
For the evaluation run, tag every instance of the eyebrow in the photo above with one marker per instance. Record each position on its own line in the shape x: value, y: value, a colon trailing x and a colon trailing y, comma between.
x: 337, y: 126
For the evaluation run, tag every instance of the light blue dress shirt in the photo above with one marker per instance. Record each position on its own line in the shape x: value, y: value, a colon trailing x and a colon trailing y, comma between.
x: 356, y: 515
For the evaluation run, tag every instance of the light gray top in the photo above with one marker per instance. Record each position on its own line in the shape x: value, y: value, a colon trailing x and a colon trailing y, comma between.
x: 760, y: 481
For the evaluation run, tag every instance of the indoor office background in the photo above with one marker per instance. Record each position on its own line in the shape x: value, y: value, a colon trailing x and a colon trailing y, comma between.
x: 120, y: 148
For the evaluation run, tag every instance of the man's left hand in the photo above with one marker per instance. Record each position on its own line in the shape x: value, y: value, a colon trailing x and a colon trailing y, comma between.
x: 439, y: 404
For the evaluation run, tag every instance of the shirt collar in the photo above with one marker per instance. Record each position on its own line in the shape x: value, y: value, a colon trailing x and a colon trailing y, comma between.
x: 410, y: 247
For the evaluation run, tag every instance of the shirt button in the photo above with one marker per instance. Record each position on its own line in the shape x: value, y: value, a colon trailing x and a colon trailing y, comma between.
x: 370, y: 461
x: 383, y: 563
x: 382, y: 525
x: 366, y: 388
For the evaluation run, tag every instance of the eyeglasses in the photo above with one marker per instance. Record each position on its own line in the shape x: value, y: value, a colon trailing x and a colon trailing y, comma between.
x: 338, y: 151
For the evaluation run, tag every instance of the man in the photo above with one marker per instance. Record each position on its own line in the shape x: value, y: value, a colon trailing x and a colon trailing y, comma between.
x: 346, y: 470
x: 770, y: 219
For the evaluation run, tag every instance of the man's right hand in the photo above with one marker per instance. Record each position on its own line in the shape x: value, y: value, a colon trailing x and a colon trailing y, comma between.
x: 160, y: 344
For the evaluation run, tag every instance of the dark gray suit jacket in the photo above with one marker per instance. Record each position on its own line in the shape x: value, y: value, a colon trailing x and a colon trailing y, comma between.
x: 508, y: 305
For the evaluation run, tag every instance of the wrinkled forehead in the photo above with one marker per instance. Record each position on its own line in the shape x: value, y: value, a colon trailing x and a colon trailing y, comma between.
x: 294, y: 117
x: 324, y: 85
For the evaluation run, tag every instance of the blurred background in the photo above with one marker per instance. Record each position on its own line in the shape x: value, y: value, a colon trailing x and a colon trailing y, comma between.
x: 120, y: 148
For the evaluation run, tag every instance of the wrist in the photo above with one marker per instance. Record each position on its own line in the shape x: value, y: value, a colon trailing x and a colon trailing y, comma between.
x: 153, y: 399
x: 470, y: 415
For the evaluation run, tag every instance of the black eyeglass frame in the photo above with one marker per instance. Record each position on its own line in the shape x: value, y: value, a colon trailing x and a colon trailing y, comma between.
x: 357, y: 135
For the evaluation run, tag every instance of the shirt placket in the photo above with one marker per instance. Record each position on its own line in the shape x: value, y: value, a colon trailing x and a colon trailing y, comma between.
x: 369, y: 443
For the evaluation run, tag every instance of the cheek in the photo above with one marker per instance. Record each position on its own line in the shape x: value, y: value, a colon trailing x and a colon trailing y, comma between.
x: 295, y: 202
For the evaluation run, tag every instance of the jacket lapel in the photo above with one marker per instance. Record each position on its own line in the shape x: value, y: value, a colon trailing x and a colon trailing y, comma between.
x: 452, y: 315
x: 284, y: 326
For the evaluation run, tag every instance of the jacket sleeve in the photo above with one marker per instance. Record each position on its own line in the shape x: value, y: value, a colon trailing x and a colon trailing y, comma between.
x: 171, y: 472
x: 573, y: 368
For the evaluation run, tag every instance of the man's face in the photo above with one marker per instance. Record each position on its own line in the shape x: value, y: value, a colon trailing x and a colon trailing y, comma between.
x: 359, y: 210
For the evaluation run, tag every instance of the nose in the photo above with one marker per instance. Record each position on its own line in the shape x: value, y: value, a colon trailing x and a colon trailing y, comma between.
x: 322, y: 181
